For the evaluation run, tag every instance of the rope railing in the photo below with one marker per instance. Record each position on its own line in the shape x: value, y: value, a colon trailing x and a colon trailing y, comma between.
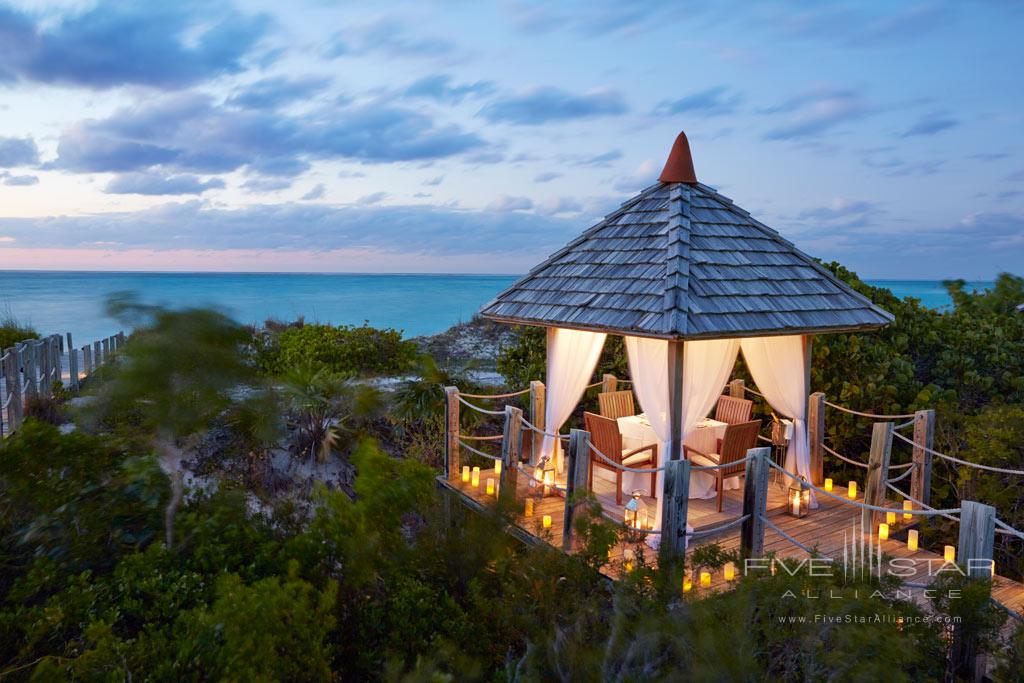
x: 915, y: 501
x: 987, y: 468
x: 725, y: 526
x: 511, y: 394
x: 703, y: 468
x: 873, y: 416
x: 771, y: 525
x: 478, y: 408
x: 843, y: 457
x: 904, y: 425
x: 493, y: 437
x: 553, y: 435
x: 1005, y: 528
x: 749, y: 390
x: 626, y: 468
x: 477, y: 451
x: 902, y: 476
x: 864, y: 506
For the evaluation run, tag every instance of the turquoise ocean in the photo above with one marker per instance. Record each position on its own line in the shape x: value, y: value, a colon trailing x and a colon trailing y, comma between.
x: 418, y: 304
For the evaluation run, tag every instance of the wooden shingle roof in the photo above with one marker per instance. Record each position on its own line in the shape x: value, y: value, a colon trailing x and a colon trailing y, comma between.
x: 680, y: 261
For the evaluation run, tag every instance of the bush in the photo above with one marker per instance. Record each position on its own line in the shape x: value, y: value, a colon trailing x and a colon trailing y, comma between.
x: 347, y: 350
x: 12, y: 332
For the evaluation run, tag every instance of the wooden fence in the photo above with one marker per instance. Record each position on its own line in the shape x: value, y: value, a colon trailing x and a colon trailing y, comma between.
x: 36, y: 367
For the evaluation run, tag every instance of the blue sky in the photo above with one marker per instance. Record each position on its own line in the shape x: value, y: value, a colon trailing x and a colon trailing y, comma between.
x: 479, y: 137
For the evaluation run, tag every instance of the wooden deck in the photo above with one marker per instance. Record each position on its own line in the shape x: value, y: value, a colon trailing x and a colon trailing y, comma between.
x: 828, y: 529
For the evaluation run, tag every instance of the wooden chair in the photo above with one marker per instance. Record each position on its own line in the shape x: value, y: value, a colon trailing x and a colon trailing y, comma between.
x: 605, y: 437
x: 616, y: 404
x: 733, y: 446
x: 733, y: 410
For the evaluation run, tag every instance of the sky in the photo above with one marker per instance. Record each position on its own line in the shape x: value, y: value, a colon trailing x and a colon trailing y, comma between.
x: 476, y: 137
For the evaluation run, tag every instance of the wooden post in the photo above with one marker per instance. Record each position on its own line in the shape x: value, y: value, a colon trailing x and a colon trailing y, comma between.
x: 977, y: 536
x: 676, y: 362
x: 72, y: 365
x: 536, y: 419
x: 87, y: 360
x: 120, y: 339
x: 14, y: 387
x: 755, y: 502
x: 924, y: 437
x: 511, y: 451
x: 577, y: 473
x: 737, y: 388
x: 106, y: 348
x: 816, y: 436
x: 675, y: 508
x: 58, y: 358
x: 878, y: 473
x: 28, y: 364
x: 97, y: 357
x: 609, y: 383
x: 451, y: 433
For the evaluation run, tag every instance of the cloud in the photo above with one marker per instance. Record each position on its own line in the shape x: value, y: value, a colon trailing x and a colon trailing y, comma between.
x: 505, y: 204
x: 371, y: 199
x: 195, y: 224
x: 841, y: 213
x: 644, y: 174
x: 438, y: 87
x: 602, y: 160
x: 546, y: 177
x: 156, y: 184
x: 389, y: 37
x: 856, y: 26
x: 1016, y: 176
x: 988, y: 156
x: 597, y: 17
x: 814, y: 112
x: 930, y: 124
x: 317, y: 192
x: 432, y: 182
x: 554, y: 206
x: 716, y: 101
x: 549, y: 104
x: 18, y: 152
x: 895, y: 167
x: 141, y: 43
x: 274, y: 93
x: 260, y: 184
x: 191, y: 132
x: 18, y: 180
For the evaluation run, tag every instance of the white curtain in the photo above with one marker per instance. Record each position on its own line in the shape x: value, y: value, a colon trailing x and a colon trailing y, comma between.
x: 572, y: 357
x: 706, y: 368
x: 779, y: 367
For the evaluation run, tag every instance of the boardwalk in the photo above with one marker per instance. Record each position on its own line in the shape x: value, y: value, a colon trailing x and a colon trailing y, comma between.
x: 828, y: 529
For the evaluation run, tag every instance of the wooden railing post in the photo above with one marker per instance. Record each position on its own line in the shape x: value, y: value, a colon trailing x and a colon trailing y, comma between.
x: 737, y: 388
x: 97, y: 357
x: 577, y: 473
x: 451, y: 433
x: 924, y: 438
x: 87, y: 360
x: 14, y: 387
x: 28, y: 365
x: 675, y: 508
x: 511, y: 451
x: 878, y: 473
x: 106, y: 348
x: 755, y: 502
x: 72, y: 365
x: 816, y: 436
x: 609, y: 383
x: 120, y: 338
x: 536, y: 419
x: 58, y: 358
x: 977, y: 536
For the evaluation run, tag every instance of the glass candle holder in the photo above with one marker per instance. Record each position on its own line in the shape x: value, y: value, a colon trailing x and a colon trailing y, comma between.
x: 705, y: 579
x: 465, y: 474
x: 490, y: 486
x: 729, y: 571
x: 907, y: 505
x: 475, y: 478
x: 883, y: 532
x: 828, y: 485
x: 949, y: 553
x: 851, y: 490
x: 890, y: 518
x: 912, y: 539
x: 528, y: 510
x: 547, y: 521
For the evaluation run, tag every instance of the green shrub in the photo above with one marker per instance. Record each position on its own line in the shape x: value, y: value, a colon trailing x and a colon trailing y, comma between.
x: 12, y: 332
x: 346, y: 349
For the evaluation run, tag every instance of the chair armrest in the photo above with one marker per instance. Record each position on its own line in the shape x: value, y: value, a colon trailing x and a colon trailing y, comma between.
x: 652, y: 447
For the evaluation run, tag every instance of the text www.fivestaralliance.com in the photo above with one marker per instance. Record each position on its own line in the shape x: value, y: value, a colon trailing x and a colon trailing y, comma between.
x: 867, y: 619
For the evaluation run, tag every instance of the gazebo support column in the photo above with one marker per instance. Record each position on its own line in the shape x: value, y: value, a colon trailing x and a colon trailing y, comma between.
x: 670, y: 514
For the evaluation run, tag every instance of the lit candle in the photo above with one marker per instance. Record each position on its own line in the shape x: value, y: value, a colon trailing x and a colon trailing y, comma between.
x: 907, y: 505
x: 538, y: 474
x: 476, y: 477
x: 890, y: 518
x: 729, y: 571
x: 490, y: 486
x: 628, y: 556
x: 547, y: 521
x: 497, y: 467
x: 883, y: 532
x: 949, y: 553
x: 549, y: 479
x: 687, y: 584
x: 705, y: 579
x: 529, y: 507
x: 851, y: 490
x: 828, y: 485
x: 465, y: 474
x: 794, y: 503
x: 912, y: 539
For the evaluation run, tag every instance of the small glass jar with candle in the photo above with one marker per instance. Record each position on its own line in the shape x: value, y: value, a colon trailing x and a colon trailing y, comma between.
x: 490, y: 486
x: 705, y: 579
x: 912, y: 539
x: 798, y: 501
x: 475, y: 477
x: 729, y: 571
x: 890, y: 519
x: 528, y: 507
x: 949, y: 553
x: 828, y: 485
x: 883, y: 532
x: 465, y: 474
x: 547, y: 521
x: 851, y: 490
x: 907, y: 505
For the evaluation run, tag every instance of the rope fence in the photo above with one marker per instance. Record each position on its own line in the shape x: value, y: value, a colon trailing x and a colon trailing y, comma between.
x: 478, y: 408
x: 703, y: 533
x: 771, y: 525
x: 512, y: 394
x: 626, y: 468
x: 494, y: 437
x: 477, y: 451
x: 873, y: 416
x: 844, y: 458
x: 959, y: 461
x: 915, y: 501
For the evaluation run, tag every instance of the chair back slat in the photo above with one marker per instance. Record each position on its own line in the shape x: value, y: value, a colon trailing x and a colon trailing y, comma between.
x: 604, y: 435
x: 616, y: 404
x: 733, y: 410
x: 738, y: 439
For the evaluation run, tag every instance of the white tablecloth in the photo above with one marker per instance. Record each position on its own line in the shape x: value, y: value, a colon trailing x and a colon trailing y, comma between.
x: 637, y: 431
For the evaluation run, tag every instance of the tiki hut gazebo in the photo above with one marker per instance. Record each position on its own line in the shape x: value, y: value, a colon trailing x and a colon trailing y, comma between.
x: 688, y: 279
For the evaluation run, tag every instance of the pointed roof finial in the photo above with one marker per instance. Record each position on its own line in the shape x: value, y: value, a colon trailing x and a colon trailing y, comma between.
x: 679, y: 167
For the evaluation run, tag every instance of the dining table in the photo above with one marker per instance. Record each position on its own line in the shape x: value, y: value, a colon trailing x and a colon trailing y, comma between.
x: 636, y: 431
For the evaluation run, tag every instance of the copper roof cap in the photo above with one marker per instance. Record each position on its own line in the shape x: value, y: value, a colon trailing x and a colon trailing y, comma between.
x: 679, y: 167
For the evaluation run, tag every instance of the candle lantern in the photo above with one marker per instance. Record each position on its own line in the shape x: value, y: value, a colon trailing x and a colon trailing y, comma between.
x: 890, y: 518
x: 949, y: 554
x: 799, y: 499
x: 705, y: 579
x: 476, y: 477
x: 687, y: 584
x: 497, y: 467
x: 729, y: 571
x: 851, y: 490
x: 635, y: 514
x: 828, y: 485
x: 883, y: 532
x: 628, y: 556
x: 907, y: 505
x: 912, y: 539
x: 490, y: 486
x: 465, y: 474
x: 547, y: 521
x: 528, y: 509
x: 544, y: 476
